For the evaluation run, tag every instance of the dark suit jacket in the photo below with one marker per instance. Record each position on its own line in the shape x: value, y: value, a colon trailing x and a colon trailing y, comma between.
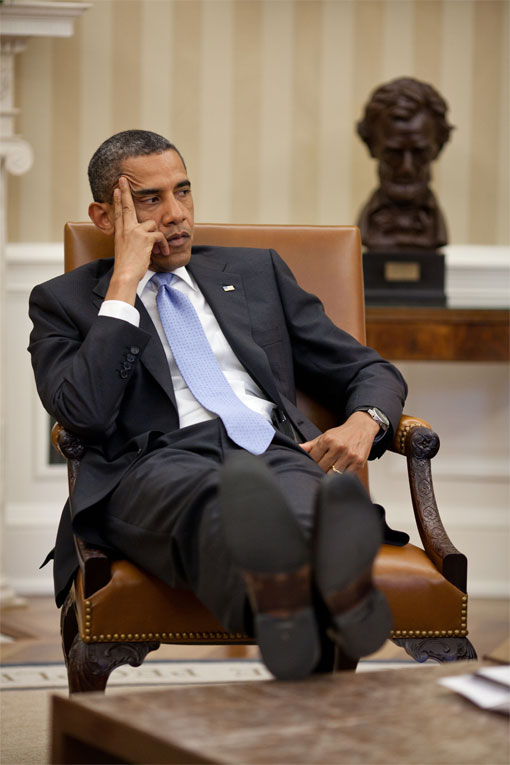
x: 108, y: 381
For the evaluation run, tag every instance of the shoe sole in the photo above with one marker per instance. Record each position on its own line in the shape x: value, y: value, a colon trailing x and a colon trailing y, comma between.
x: 267, y: 545
x: 347, y: 538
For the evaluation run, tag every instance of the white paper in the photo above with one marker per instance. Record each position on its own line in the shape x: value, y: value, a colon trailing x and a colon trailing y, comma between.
x: 489, y: 688
x: 499, y: 674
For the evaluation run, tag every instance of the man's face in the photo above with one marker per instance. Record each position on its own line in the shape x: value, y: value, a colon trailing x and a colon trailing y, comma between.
x: 161, y: 192
x: 405, y: 150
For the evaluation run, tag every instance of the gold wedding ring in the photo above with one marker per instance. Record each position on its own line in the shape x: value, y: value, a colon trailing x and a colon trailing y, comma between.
x: 335, y: 470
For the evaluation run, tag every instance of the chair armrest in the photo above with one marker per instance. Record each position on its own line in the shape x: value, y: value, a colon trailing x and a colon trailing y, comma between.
x: 416, y: 441
x: 406, y: 424
x: 94, y: 563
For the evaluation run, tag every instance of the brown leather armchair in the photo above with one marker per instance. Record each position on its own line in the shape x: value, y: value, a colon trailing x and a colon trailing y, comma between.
x: 116, y: 613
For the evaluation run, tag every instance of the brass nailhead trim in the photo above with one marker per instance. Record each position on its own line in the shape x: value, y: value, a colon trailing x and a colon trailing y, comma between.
x: 429, y: 633
x: 87, y: 637
x: 402, y: 441
x: 116, y: 638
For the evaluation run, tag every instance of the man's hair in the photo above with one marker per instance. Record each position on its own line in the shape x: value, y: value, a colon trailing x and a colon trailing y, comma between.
x: 105, y: 167
x: 401, y: 99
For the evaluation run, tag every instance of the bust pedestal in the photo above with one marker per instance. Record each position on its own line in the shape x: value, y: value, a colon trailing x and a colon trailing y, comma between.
x: 404, y: 278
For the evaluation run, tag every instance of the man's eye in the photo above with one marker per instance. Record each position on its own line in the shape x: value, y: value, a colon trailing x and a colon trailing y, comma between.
x: 150, y: 200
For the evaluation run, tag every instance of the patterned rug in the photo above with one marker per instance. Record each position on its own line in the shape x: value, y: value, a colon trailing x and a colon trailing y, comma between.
x: 151, y: 673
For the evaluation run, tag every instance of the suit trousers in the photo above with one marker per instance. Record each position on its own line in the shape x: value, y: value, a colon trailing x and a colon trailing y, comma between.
x: 164, y: 514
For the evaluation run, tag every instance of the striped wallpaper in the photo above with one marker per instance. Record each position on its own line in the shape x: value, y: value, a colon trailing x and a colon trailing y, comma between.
x: 262, y: 96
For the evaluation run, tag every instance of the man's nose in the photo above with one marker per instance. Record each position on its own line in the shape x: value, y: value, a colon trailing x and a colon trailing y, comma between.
x: 173, y: 211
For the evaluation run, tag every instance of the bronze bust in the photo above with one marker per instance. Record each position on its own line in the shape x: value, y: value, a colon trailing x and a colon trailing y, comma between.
x: 404, y: 128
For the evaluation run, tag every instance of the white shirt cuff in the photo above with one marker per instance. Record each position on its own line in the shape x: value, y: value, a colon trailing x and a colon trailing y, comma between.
x: 118, y: 309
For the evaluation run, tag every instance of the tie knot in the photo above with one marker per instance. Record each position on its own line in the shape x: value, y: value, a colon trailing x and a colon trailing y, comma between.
x: 162, y: 279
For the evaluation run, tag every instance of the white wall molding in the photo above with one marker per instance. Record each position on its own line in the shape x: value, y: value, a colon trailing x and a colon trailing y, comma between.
x: 477, y: 276
x: 27, y: 515
x: 471, y: 468
x: 37, y: 585
x: 455, y: 518
x: 39, y: 253
x: 40, y: 19
x: 487, y: 588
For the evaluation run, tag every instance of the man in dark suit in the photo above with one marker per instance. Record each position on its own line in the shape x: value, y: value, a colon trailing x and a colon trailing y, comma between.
x: 281, y: 543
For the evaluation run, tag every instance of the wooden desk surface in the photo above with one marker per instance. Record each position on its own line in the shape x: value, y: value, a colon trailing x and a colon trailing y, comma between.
x: 439, y: 334
x: 395, y: 716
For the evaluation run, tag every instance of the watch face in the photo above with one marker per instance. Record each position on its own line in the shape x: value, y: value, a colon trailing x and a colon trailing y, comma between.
x: 379, y: 417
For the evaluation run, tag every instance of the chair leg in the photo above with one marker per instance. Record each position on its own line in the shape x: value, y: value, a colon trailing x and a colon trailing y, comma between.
x: 89, y: 665
x: 437, y: 649
x: 68, y: 626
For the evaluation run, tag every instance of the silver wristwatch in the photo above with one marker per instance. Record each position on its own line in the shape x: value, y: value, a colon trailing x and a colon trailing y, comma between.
x: 378, y: 417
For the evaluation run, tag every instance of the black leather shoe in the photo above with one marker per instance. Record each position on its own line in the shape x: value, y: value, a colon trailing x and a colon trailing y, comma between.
x: 347, y: 537
x: 267, y: 545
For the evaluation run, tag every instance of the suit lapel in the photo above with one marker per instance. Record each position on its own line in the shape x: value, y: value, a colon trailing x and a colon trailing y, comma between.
x: 154, y: 357
x: 231, y: 310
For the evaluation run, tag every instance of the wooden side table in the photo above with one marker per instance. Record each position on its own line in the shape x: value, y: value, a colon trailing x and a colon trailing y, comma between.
x: 439, y: 334
x: 399, y: 716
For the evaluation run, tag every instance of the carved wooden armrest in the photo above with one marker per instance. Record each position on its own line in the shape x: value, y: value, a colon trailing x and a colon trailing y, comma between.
x: 94, y: 563
x: 416, y: 441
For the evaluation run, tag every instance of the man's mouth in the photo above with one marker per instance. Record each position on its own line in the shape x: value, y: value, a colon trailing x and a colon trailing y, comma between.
x: 178, y: 239
x: 175, y: 242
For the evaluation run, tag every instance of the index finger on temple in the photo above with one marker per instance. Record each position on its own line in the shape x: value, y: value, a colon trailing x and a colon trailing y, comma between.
x: 128, y: 207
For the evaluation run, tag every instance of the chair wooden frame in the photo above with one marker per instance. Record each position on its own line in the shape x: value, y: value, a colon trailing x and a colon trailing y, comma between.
x: 94, y: 643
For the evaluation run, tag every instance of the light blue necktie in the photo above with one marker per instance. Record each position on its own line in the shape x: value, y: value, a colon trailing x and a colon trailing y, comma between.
x: 201, y: 372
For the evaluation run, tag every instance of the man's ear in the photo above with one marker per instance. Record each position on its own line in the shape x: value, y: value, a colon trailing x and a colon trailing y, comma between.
x: 101, y: 215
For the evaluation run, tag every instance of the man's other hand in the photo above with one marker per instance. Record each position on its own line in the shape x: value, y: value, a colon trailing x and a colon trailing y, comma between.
x: 346, y: 448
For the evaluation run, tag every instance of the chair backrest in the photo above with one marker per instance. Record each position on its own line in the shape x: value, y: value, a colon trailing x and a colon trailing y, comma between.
x: 325, y: 260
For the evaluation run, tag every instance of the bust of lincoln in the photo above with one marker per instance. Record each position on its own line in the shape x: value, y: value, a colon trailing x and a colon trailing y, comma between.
x: 405, y: 128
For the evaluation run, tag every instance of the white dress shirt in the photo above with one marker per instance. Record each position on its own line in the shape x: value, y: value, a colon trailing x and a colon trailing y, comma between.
x: 189, y: 409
